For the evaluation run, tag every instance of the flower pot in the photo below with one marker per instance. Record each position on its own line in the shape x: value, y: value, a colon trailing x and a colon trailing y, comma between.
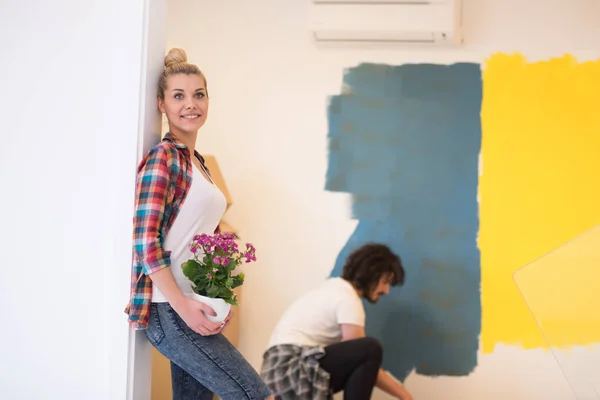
x: 219, y: 305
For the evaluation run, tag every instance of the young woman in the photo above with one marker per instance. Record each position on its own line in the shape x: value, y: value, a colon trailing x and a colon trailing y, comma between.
x: 175, y: 200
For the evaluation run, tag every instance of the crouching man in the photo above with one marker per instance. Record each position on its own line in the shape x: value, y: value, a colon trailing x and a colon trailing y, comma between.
x: 319, y: 346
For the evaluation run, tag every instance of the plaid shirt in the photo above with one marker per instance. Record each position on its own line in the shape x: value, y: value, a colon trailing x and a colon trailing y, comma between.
x: 164, y: 177
x: 293, y: 373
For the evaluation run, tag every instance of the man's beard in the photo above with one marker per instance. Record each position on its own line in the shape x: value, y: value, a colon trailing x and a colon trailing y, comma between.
x: 372, y: 300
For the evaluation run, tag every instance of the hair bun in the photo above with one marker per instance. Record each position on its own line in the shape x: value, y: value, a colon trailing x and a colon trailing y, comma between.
x: 175, y: 56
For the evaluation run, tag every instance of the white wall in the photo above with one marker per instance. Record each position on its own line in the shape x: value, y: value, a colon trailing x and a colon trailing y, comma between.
x: 72, y: 106
x: 267, y: 126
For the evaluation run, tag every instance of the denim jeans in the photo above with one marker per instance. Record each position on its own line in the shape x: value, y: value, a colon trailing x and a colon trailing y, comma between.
x: 202, y: 365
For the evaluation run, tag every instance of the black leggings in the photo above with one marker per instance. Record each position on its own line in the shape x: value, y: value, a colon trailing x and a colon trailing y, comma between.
x: 353, y: 366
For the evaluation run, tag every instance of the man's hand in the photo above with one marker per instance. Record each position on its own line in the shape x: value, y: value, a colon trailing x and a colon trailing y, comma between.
x: 392, y: 386
x: 406, y: 395
x: 192, y: 313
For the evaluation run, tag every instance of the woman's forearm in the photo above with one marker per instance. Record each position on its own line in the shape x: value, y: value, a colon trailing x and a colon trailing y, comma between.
x: 165, y: 282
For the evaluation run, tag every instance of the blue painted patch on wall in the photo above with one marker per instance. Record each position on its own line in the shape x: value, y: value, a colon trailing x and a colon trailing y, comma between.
x: 404, y: 141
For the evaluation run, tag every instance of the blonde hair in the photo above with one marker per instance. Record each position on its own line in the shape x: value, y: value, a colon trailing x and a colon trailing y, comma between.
x: 176, y: 63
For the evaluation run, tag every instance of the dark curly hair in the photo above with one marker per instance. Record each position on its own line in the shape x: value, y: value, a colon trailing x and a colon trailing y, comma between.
x: 367, y: 264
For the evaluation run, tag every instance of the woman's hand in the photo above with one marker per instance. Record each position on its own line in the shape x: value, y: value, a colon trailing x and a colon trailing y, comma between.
x: 226, y: 322
x: 190, y: 310
x: 192, y: 313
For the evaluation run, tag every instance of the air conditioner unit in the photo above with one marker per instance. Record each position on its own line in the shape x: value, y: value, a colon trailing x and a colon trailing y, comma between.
x: 435, y: 21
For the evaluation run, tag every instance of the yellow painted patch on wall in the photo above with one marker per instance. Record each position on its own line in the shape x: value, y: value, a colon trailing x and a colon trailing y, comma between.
x: 562, y: 289
x: 539, y: 183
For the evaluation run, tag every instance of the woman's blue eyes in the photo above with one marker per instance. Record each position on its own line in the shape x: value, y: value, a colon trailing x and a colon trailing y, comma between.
x: 179, y: 96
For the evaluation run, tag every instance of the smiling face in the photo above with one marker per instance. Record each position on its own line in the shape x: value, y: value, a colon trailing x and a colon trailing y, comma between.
x: 185, y: 103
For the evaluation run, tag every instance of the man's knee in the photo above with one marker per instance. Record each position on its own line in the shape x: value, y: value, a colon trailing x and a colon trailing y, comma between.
x: 373, y: 349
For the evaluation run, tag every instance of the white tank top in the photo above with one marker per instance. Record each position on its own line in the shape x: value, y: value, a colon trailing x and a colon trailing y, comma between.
x: 200, y: 212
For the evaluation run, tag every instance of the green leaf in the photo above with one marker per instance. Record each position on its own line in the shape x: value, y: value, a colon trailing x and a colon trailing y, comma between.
x: 201, y: 292
x: 213, y: 291
x: 232, y: 300
x: 225, y: 293
x: 201, y: 285
x: 238, y: 280
x: 231, y: 266
x: 191, y: 269
x: 221, y: 273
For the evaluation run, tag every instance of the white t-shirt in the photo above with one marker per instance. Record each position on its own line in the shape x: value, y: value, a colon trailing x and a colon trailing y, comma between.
x: 200, y: 212
x: 314, y: 319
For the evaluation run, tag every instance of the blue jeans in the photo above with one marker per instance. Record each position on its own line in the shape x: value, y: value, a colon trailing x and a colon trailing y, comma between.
x: 202, y: 365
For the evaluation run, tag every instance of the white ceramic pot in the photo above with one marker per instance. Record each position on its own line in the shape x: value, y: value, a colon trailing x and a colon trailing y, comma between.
x: 219, y: 305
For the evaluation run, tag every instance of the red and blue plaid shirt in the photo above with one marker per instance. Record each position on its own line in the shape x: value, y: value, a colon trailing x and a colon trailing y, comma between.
x: 163, y: 180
